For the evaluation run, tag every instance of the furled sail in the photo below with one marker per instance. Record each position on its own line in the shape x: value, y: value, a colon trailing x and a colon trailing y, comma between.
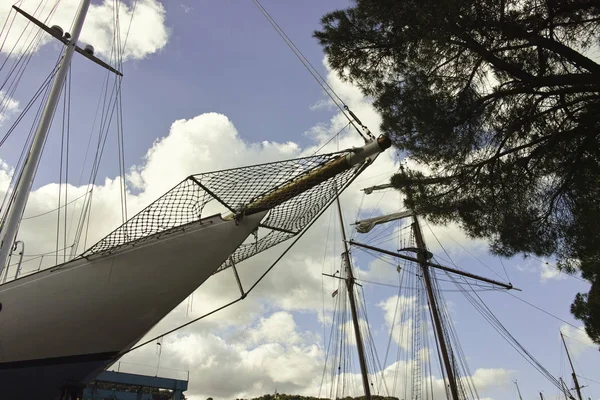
x: 293, y: 192
x: 366, y: 225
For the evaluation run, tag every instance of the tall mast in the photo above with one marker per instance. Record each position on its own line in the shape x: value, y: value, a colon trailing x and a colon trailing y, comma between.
x: 15, y: 212
x: 518, y: 390
x: 564, y: 387
x: 350, y: 287
x: 422, y: 257
x: 577, y: 387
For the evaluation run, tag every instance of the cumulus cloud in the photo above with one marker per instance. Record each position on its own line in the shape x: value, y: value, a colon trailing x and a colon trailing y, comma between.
x: 550, y: 272
x: 544, y: 268
x: 398, y: 312
x: 8, y: 107
x: 264, y: 355
x: 146, y: 35
x: 579, y: 342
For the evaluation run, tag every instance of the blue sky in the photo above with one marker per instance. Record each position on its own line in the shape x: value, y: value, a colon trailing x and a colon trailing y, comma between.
x: 223, y: 57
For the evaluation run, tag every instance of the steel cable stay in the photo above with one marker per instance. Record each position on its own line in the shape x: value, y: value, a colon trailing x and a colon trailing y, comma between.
x: 452, y: 337
x: 393, y: 325
x: 377, y: 368
x: 42, y: 89
x: 344, y: 109
x: 26, y: 42
x: 60, y: 166
x: 516, y: 297
x: 580, y: 342
x: 326, y: 343
x: 25, y: 54
x: 490, y: 317
x: 100, y: 111
x: 16, y: 73
x: 328, y: 347
x: 555, y: 267
x: 10, y: 193
x: 103, y: 130
x: 108, y: 106
x: 464, y: 248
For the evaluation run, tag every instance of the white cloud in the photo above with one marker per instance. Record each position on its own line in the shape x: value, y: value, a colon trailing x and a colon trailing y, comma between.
x: 322, y: 105
x: 550, y: 272
x: 250, y: 360
x: 541, y: 267
x: 579, y: 342
x: 148, y: 32
x: 8, y: 106
x: 186, y: 9
x: 280, y: 327
x: 398, y: 312
x: 492, y: 377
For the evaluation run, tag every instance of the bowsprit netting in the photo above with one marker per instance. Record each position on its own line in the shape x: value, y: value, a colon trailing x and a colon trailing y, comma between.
x: 294, y: 192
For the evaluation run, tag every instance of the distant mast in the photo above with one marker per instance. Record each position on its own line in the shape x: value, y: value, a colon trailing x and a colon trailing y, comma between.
x: 518, y: 390
x: 575, y: 381
x: 423, y: 256
x: 437, y: 320
x: 350, y: 286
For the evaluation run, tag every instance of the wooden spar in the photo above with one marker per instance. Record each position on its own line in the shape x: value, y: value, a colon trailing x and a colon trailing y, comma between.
x: 317, y: 176
x: 350, y: 286
x: 434, y: 265
x: 437, y: 320
x: 575, y: 381
x: 518, y: 390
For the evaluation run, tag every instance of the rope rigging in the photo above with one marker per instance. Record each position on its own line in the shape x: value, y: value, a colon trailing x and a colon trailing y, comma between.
x: 489, y: 316
x: 386, y: 235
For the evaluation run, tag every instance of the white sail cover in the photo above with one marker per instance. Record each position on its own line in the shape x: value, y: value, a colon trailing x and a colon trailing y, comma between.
x: 366, y: 225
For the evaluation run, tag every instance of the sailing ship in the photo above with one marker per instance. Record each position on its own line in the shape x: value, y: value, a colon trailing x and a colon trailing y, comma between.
x: 429, y: 297
x: 420, y: 306
x: 61, y: 326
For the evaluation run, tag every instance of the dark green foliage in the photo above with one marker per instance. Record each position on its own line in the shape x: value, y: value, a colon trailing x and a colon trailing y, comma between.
x: 499, y: 100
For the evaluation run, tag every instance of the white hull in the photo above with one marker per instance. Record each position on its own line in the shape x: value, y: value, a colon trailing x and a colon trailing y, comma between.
x: 67, y: 323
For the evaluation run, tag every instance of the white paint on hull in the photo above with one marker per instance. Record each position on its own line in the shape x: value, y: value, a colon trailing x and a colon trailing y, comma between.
x: 108, y: 302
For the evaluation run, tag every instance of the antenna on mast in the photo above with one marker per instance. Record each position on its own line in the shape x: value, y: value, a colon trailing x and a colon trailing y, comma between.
x: 518, y: 390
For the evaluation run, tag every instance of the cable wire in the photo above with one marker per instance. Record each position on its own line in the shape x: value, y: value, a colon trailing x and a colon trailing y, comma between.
x: 315, y: 74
